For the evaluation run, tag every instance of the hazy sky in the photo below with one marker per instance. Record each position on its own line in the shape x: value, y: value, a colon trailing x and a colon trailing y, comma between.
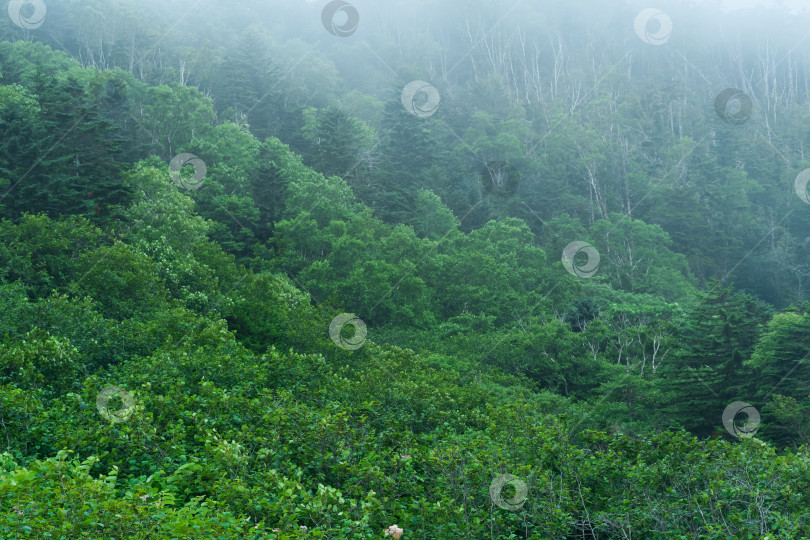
x: 789, y: 5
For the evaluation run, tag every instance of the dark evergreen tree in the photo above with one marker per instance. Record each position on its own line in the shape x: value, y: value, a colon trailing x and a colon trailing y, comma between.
x: 411, y: 151
x: 248, y: 86
x: 65, y: 159
x: 333, y: 141
x: 781, y: 362
x: 707, y: 372
x: 581, y: 313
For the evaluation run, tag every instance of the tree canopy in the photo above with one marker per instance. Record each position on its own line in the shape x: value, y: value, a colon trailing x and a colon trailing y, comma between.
x: 456, y: 271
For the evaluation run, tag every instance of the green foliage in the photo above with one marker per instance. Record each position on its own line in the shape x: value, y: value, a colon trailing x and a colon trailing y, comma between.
x: 780, y: 360
x: 707, y: 373
x: 335, y: 140
x: 433, y: 219
x: 40, y: 361
x: 211, y: 308
x: 90, y: 506
x: 637, y: 258
x: 41, y: 253
x: 62, y: 158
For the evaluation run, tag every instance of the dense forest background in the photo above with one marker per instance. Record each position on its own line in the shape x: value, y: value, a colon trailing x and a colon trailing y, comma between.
x: 438, y: 270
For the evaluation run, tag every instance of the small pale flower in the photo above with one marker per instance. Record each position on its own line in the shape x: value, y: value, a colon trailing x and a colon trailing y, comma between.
x: 395, y: 531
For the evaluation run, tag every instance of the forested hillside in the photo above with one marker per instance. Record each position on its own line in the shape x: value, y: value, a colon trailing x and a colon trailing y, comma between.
x: 436, y: 270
